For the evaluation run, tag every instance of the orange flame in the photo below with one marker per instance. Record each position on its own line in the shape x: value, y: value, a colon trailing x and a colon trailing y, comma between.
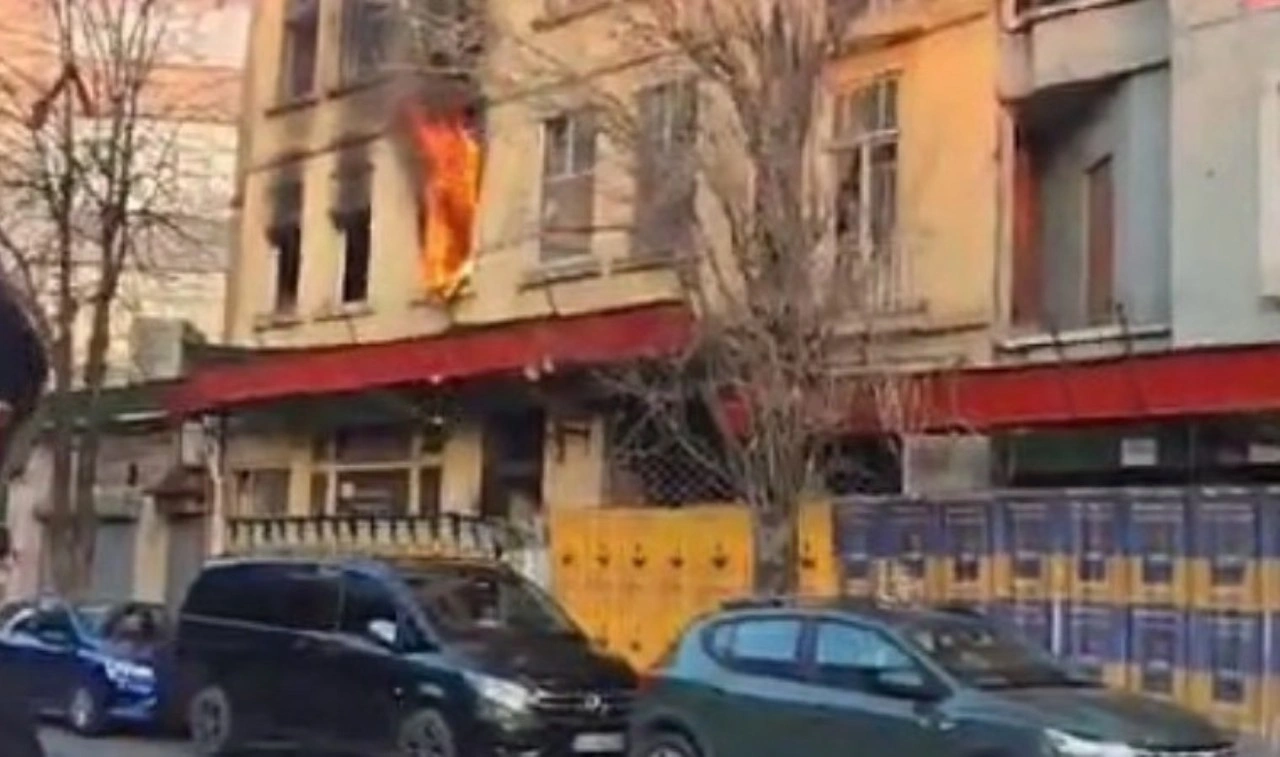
x: 451, y: 159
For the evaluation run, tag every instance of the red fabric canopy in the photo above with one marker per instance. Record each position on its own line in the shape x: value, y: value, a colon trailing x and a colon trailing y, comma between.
x: 1179, y: 383
x: 544, y: 344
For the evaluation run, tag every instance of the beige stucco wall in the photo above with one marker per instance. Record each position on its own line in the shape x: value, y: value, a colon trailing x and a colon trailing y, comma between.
x: 949, y: 175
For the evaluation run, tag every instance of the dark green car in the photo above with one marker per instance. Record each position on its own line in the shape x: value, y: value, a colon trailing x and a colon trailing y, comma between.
x: 843, y: 678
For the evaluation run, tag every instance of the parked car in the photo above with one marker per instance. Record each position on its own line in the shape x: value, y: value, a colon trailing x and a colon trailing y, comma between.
x: 444, y: 658
x: 817, y: 678
x: 93, y: 665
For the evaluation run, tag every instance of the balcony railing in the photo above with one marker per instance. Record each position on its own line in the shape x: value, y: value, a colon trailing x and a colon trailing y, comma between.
x: 449, y: 534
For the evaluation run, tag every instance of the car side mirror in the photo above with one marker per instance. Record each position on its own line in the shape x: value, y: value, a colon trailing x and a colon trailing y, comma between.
x: 908, y: 683
x: 384, y: 631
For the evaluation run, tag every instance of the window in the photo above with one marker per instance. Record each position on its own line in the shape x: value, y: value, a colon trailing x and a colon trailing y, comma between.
x: 568, y: 185
x: 378, y: 471
x: 665, y: 167
x: 767, y: 646
x: 364, y: 600
x: 285, y: 236
x: 865, y: 152
x: 262, y: 492
x: 298, y: 64
x: 844, y: 655
x: 1100, y: 258
x: 366, y: 36
x: 353, y: 217
x: 306, y: 600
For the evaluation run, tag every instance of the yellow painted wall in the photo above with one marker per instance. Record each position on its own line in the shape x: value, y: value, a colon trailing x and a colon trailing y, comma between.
x: 633, y: 577
x: 949, y: 116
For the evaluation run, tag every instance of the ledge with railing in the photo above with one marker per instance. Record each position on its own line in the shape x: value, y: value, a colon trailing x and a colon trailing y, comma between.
x: 447, y: 534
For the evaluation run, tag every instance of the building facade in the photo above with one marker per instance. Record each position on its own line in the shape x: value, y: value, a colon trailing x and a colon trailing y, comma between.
x: 358, y: 394
x: 1139, y: 247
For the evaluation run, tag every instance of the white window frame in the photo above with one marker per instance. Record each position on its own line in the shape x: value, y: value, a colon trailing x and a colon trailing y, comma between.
x: 864, y: 143
x: 566, y: 174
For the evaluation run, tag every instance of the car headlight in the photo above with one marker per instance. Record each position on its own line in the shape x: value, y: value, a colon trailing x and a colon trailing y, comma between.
x: 1066, y: 745
x: 123, y: 671
x: 501, y: 695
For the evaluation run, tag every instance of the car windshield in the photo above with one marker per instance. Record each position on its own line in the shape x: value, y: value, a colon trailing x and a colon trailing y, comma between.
x: 988, y: 658
x: 464, y: 602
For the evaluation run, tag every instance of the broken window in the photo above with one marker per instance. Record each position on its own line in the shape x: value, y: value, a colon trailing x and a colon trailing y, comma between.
x: 285, y: 236
x: 866, y: 164
x: 353, y: 217
x: 366, y: 37
x: 298, y: 48
x: 568, y: 185
x: 665, y: 167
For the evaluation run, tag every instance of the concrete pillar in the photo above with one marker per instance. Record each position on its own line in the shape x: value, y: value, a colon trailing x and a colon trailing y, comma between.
x: 574, y: 465
x: 462, y: 469
x: 150, y: 553
x: 946, y: 464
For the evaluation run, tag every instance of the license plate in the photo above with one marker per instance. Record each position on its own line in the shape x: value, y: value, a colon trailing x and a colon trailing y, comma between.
x: 599, y: 743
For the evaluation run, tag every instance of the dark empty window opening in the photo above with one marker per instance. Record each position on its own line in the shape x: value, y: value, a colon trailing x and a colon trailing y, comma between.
x: 298, y: 49
x: 1100, y: 258
x: 287, y: 241
x: 367, y: 26
x: 355, y: 259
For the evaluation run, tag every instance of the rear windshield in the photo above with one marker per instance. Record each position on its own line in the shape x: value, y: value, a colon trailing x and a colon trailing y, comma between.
x: 463, y: 601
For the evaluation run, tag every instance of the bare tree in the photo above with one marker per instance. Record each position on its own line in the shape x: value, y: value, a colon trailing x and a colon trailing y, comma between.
x: 730, y: 186
x: 87, y: 198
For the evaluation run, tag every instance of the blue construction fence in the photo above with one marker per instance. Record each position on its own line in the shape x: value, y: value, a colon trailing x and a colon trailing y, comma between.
x: 1170, y: 592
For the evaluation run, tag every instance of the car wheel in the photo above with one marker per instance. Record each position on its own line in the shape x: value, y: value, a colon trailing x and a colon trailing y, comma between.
x: 665, y: 744
x: 211, y: 722
x: 426, y: 733
x: 86, y: 711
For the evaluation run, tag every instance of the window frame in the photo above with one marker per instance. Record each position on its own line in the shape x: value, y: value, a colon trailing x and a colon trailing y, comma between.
x: 354, y: 67
x: 562, y: 179
x: 793, y: 671
x: 814, y: 673
x: 423, y: 454
x: 849, y: 140
x: 300, y: 17
x: 659, y: 202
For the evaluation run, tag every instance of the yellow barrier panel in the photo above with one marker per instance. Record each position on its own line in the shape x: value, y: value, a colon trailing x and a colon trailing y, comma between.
x: 633, y: 577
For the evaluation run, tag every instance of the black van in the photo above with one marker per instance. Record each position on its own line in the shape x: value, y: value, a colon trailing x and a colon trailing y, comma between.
x: 444, y: 658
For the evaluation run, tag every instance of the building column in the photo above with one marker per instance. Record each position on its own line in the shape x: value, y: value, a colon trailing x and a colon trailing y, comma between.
x: 574, y: 465
x: 462, y: 469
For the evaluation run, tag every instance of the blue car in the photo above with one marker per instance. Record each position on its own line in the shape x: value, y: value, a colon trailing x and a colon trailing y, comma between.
x: 94, y: 665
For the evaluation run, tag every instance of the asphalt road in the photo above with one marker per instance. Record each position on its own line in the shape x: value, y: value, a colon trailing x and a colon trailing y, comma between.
x: 59, y: 743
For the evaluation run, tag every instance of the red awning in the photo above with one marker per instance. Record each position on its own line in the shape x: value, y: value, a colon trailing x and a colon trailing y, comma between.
x: 1179, y: 383
x: 510, y: 348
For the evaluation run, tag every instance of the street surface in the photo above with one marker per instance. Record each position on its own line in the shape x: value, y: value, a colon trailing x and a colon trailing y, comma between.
x: 59, y: 743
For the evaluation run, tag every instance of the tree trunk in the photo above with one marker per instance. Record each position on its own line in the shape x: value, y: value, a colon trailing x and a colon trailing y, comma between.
x: 776, y: 571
